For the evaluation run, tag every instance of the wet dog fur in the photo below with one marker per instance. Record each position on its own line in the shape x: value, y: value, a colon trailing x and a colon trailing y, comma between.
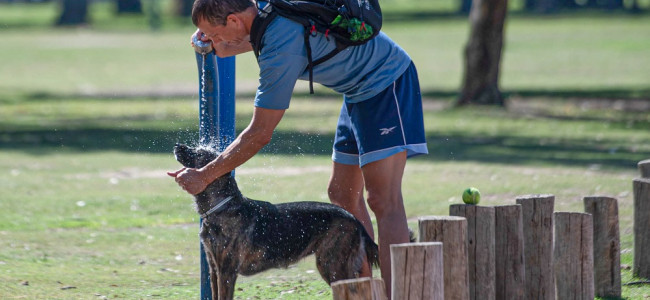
x: 246, y: 236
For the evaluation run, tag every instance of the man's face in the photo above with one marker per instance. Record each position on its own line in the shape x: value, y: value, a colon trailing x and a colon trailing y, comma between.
x: 230, y: 33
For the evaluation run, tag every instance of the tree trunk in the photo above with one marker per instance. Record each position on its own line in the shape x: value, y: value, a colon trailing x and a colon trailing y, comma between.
x: 635, y: 8
x: 613, y: 4
x: 570, y: 4
x: 129, y: 7
x: 465, y: 6
x: 548, y: 6
x: 73, y: 12
x: 529, y: 5
x: 184, y: 8
x: 483, y: 53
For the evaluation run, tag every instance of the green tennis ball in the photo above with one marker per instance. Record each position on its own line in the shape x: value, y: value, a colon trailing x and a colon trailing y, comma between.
x: 471, y: 196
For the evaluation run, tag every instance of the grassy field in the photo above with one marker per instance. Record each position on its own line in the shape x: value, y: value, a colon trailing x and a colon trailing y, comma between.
x: 88, y: 117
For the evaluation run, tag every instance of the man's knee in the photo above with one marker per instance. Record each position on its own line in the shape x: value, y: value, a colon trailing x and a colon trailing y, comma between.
x: 385, y: 205
x: 344, y: 197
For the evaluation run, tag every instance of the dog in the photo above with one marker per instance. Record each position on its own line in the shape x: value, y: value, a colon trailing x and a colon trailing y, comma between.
x: 245, y: 236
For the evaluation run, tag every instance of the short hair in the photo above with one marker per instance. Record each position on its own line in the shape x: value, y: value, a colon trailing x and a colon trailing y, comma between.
x: 216, y: 11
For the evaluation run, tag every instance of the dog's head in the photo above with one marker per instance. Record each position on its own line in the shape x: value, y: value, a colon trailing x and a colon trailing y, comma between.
x: 194, y: 157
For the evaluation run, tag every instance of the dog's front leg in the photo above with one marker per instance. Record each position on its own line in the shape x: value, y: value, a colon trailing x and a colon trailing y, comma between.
x: 226, y: 278
x: 227, y: 286
x: 213, y: 267
x: 214, y: 286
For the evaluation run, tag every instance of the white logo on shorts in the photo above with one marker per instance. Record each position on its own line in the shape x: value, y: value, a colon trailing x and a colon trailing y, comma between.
x: 385, y: 131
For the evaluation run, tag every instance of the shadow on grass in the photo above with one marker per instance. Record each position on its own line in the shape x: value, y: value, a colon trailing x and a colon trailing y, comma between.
x: 587, y: 94
x: 502, y: 149
x: 612, y: 152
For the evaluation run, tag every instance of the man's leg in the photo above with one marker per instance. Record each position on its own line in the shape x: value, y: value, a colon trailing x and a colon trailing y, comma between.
x: 346, y: 190
x: 383, y: 181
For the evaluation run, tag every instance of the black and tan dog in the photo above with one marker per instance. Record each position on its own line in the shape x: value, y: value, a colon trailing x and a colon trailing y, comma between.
x: 244, y: 236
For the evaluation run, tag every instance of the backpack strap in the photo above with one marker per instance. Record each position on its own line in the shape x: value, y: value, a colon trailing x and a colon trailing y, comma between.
x: 309, y: 31
x: 265, y: 16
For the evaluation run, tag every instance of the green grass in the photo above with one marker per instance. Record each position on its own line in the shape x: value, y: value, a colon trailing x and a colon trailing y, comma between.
x: 88, y: 117
x: 92, y: 207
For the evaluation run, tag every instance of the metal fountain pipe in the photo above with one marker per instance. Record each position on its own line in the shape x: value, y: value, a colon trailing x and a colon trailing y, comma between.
x: 200, y: 46
x: 216, y: 116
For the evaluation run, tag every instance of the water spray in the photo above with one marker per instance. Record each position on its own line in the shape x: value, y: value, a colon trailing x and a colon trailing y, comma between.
x: 216, y: 115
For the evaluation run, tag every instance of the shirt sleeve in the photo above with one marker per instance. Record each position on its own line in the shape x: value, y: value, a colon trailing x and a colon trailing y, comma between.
x: 281, y: 62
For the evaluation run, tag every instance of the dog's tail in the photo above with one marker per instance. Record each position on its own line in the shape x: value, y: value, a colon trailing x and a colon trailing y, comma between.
x: 372, y: 250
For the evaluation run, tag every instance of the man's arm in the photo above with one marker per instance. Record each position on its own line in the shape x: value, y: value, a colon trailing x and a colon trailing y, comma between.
x: 248, y: 143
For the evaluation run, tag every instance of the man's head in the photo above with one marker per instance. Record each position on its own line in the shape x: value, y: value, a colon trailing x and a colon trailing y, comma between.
x: 224, y: 20
x: 216, y: 12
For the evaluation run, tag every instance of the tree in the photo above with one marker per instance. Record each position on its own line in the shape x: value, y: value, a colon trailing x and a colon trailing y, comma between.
x: 543, y: 6
x: 465, y: 6
x: 613, y: 4
x: 73, y: 12
x: 184, y: 8
x: 483, y: 53
x: 129, y: 7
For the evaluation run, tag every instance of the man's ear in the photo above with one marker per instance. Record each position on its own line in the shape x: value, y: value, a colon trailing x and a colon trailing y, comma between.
x: 234, y: 19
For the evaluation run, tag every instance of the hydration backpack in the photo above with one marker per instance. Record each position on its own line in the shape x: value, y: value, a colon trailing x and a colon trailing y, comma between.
x: 349, y: 22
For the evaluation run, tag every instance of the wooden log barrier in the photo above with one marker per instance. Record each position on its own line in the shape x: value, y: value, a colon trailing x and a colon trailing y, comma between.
x: 417, y: 270
x: 573, y: 255
x: 642, y: 227
x: 537, y: 218
x: 607, y: 245
x: 644, y: 168
x: 480, y: 249
x: 452, y: 232
x: 359, y: 289
x: 509, y: 252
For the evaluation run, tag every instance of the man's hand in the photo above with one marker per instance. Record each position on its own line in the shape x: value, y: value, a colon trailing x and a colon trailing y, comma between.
x: 189, y: 179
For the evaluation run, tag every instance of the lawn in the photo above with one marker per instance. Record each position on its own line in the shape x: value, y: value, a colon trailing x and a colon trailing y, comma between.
x: 88, y: 118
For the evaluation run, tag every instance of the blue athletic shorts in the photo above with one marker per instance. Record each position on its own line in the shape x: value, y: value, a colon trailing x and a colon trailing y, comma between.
x: 386, y: 124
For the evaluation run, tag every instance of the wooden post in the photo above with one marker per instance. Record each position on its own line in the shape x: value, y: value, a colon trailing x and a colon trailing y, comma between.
x: 642, y: 227
x: 480, y: 249
x: 417, y: 270
x: 574, y: 261
x: 644, y: 168
x: 359, y: 289
x: 452, y: 232
x: 537, y: 217
x: 509, y: 252
x: 607, y: 245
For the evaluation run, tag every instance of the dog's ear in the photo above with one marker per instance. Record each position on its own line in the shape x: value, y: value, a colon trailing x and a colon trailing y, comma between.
x: 204, y: 155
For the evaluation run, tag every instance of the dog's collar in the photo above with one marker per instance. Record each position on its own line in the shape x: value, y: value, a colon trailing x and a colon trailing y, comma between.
x: 207, y: 213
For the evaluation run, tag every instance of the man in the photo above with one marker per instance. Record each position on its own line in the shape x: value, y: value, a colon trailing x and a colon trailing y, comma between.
x: 380, y: 124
